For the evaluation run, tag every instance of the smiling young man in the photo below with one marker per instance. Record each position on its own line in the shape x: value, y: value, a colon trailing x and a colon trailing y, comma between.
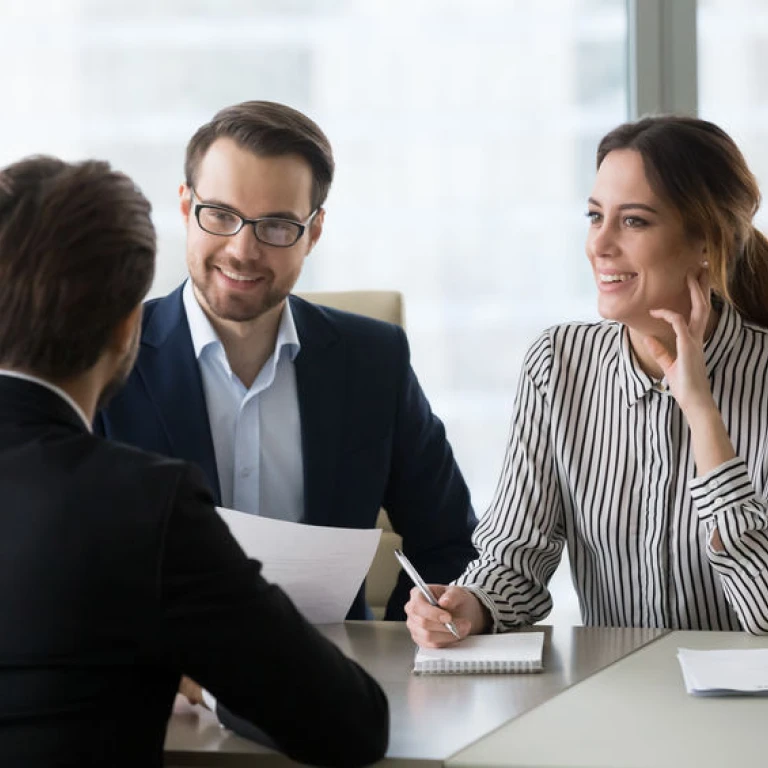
x: 292, y: 411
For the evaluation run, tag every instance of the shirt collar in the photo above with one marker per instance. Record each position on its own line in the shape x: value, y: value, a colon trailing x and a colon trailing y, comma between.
x: 68, y: 399
x: 636, y: 383
x: 287, y: 335
x: 204, y: 335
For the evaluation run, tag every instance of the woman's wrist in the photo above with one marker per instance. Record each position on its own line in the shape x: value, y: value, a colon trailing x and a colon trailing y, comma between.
x: 701, y: 409
x: 710, y: 440
x: 478, y: 613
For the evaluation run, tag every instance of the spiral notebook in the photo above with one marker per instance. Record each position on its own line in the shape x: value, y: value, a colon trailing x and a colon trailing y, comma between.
x: 484, y: 654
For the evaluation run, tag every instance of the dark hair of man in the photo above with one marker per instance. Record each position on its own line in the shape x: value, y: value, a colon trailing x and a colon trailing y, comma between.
x: 270, y: 130
x: 77, y: 255
x: 698, y: 168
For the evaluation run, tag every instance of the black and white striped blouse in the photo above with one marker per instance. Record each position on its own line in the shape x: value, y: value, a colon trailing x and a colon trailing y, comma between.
x: 599, y: 455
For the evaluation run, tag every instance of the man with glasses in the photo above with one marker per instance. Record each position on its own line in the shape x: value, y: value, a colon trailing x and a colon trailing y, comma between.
x: 292, y: 411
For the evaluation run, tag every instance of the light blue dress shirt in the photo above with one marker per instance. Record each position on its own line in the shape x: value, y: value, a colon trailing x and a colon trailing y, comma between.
x: 256, y: 432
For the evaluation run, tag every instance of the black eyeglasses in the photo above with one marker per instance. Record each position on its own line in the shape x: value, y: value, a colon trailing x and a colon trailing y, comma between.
x: 270, y: 230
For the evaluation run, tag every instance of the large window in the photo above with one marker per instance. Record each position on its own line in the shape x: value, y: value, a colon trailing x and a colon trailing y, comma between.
x: 733, y: 90
x: 464, y: 133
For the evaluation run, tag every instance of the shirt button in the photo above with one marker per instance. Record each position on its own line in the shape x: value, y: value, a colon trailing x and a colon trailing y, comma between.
x: 714, y: 484
x: 718, y: 501
x: 246, y: 472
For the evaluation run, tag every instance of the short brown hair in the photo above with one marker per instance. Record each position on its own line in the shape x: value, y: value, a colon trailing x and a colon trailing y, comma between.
x: 698, y: 168
x: 269, y: 129
x: 77, y: 255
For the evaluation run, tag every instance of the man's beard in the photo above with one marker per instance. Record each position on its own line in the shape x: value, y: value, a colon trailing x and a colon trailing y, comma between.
x: 248, y: 313
x: 229, y: 307
x: 122, y: 372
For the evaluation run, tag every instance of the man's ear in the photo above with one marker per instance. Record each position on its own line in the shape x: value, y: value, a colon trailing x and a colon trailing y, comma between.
x: 185, y: 202
x: 126, y: 331
x: 316, y: 229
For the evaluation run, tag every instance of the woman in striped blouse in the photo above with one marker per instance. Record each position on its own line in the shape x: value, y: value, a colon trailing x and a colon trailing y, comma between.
x: 640, y: 441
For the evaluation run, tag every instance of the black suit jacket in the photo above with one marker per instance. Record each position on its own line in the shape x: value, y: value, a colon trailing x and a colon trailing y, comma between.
x: 116, y: 576
x: 369, y: 438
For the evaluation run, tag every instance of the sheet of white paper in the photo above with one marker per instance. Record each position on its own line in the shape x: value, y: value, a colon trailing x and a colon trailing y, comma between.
x: 320, y: 568
x: 724, y: 671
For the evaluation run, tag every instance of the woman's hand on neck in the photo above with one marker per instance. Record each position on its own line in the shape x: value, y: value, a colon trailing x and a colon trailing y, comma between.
x: 657, y: 341
x: 645, y: 358
x: 686, y: 373
x: 676, y: 351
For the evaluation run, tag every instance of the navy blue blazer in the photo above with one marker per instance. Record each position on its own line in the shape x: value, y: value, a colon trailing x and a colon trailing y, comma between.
x: 369, y: 438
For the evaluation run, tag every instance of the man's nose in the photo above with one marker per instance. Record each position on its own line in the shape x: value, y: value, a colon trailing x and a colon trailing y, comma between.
x: 245, y: 244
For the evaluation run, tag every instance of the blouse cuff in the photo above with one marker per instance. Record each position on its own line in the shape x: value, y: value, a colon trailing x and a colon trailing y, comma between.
x: 724, y: 488
x: 725, y: 500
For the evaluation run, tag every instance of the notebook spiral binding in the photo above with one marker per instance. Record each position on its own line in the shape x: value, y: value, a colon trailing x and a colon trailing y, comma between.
x: 475, y: 667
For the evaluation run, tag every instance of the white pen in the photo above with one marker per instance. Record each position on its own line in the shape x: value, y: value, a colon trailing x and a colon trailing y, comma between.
x: 423, y: 588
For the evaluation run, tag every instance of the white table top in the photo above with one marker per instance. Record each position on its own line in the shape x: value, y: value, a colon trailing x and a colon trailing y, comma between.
x: 635, y: 713
x: 431, y: 717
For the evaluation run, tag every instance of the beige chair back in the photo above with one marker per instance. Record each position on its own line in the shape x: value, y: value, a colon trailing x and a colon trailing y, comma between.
x: 381, y: 305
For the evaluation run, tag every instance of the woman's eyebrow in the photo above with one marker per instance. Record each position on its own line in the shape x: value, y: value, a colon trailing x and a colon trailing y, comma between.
x: 626, y: 206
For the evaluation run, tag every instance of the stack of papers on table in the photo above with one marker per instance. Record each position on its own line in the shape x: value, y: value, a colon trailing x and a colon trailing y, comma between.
x: 712, y: 673
x: 320, y: 568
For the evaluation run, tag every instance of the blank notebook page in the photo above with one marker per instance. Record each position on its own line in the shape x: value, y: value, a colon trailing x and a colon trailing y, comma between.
x: 512, y: 652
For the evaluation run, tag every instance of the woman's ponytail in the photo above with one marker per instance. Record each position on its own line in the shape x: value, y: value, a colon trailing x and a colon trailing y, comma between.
x: 748, y: 279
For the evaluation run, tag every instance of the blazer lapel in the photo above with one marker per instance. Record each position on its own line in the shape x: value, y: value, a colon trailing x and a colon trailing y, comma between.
x: 320, y: 388
x: 168, y: 366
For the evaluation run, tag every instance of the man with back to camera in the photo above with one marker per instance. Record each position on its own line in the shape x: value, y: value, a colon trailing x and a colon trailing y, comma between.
x: 294, y: 412
x: 116, y: 573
